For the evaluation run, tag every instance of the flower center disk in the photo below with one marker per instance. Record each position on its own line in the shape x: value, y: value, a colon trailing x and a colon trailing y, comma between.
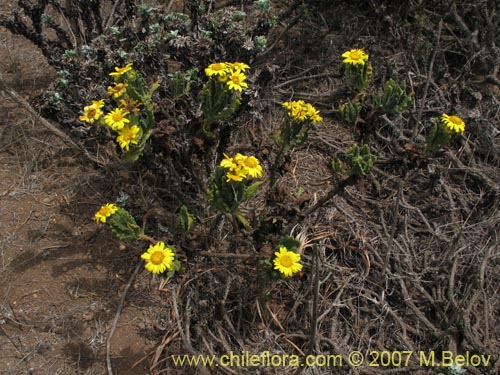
x: 157, y: 257
x: 355, y: 55
x: 286, y: 261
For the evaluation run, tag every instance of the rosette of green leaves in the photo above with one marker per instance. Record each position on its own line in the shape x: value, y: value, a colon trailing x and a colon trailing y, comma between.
x: 395, y: 99
x: 218, y: 103
x: 124, y: 226
x: 350, y: 111
x: 358, y: 161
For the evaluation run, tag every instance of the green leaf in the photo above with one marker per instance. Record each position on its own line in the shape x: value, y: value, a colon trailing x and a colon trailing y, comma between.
x: 242, y: 219
x: 291, y: 243
x: 124, y: 226
x: 186, y: 220
x: 251, y: 190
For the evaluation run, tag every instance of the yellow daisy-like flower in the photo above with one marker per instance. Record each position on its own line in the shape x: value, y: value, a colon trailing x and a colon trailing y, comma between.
x: 235, y: 171
x: 130, y: 105
x: 121, y: 71
x: 98, y: 103
x: 116, y: 119
x: 236, y: 81
x: 296, y: 109
x: 287, y: 262
x: 313, y: 113
x: 104, y: 212
x: 92, y: 112
x: 301, y: 111
x: 235, y: 175
x: 117, y: 90
x: 127, y: 136
x: 216, y: 69
x: 355, y: 57
x: 240, y: 167
x: 159, y: 258
x: 228, y: 162
x: 251, y: 166
x: 223, y: 77
x: 239, y: 66
x: 454, y: 124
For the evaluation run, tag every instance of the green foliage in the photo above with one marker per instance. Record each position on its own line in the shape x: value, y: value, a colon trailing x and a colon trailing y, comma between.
x: 438, y: 137
x: 358, y: 161
x: 350, y: 111
x: 139, y: 90
x: 181, y: 83
x: 225, y: 195
x: 124, y: 226
x: 217, y: 103
x: 292, y: 133
x: 358, y: 77
x: 295, y: 127
x: 251, y: 190
x: 176, y: 267
x: 186, y: 220
x: 291, y: 243
x: 395, y: 99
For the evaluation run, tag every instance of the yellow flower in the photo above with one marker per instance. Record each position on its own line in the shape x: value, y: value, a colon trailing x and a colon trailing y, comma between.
x: 251, y: 166
x: 117, y: 90
x: 130, y: 105
x: 235, y: 175
x: 235, y: 171
x: 236, y: 81
x: 454, y: 124
x: 300, y: 110
x: 104, y: 212
x: 228, y: 162
x: 121, y: 71
x: 355, y: 57
x: 287, y: 262
x: 240, y: 167
x: 216, y: 69
x: 239, y: 66
x: 313, y: 113
x: 98, y: 103
x: 127, y: 136
x: 92, y: 112
x: 116, y: 119
x: 296, y: 109
x: 159, y: 258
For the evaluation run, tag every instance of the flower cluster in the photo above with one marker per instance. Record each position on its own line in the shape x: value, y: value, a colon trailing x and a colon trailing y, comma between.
x: 302, y: 111
x: 453, y: 124
x: 287, y: 262
x: 232, y: 74
x: 241, y: 167
x: 125, y: 119
x: 159, y: 258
